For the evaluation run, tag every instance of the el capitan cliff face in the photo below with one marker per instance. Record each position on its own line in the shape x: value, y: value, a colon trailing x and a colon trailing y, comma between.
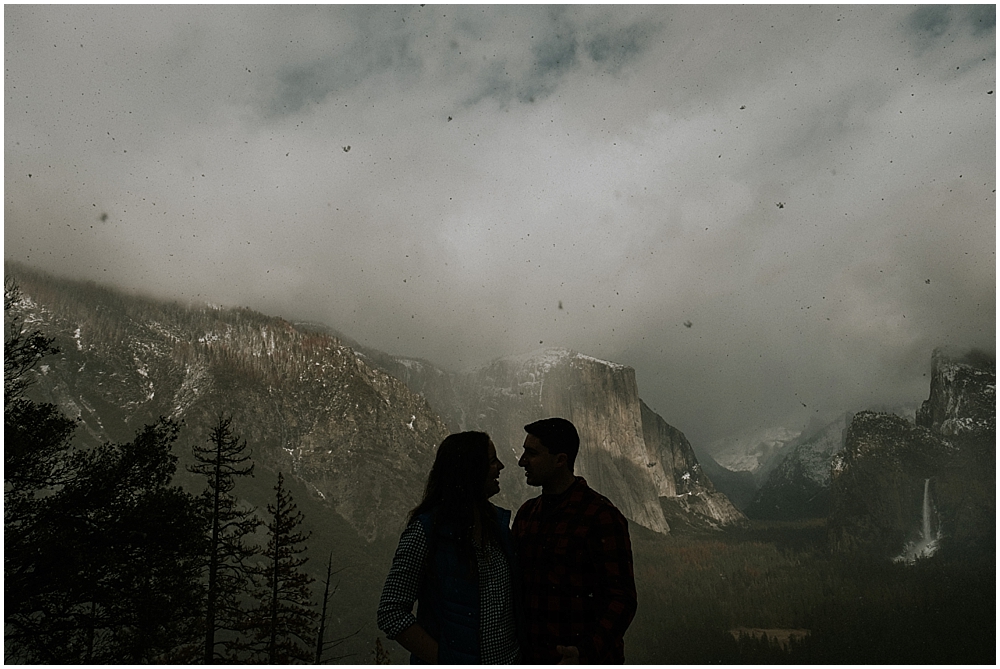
x: 599, y: 398
x: 627, y: 452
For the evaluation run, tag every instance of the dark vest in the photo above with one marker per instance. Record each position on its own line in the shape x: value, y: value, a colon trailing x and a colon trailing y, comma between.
x: 448, y: 600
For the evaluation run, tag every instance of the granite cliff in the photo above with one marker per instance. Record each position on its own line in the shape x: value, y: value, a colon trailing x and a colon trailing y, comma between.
x: 962, y: 401
x: 892, y: 474
x: 627, y: 452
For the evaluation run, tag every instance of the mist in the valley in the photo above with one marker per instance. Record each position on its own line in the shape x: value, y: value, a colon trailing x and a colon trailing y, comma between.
x: 772, y: 213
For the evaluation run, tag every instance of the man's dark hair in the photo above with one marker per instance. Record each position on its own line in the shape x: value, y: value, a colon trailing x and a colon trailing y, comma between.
x: 558, y: 435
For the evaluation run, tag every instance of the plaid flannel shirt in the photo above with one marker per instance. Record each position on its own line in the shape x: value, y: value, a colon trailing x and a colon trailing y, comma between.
x: 575, y: 558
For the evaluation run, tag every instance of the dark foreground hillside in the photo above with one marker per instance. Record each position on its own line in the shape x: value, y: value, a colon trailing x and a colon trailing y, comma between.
x: 731, y: 598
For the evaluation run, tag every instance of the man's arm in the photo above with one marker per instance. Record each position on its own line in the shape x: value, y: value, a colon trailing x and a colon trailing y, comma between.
x: 615, y: 588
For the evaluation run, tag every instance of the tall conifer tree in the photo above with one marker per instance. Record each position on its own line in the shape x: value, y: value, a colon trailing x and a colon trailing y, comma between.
x: 284, y: 622
x: 100, y: 553
x: 221, y: 461
x: 36, y: 435
x: 36, y: 442
x: 129, y: 546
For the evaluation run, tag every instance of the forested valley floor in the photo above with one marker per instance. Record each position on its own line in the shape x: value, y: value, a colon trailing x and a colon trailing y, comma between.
x: 773, y: 593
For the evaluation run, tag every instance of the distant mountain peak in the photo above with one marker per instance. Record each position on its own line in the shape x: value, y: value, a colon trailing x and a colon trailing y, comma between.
x: 755, y: 452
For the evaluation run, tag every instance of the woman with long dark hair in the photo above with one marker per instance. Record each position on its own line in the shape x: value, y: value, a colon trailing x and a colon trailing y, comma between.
x: 456, y: 560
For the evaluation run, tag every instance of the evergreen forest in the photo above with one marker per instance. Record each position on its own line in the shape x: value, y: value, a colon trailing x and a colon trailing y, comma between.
x: 773, y: 592
x: 107, y: 561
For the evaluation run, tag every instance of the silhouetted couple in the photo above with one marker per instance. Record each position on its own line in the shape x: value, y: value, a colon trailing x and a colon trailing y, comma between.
x: 558, y: 587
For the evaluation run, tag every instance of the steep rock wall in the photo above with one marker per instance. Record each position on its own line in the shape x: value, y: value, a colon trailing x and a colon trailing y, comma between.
x: 600, y: 398
x: 627, y: 452
x: 963, y: 395
x: 687, y: 495
x: 878, y: 480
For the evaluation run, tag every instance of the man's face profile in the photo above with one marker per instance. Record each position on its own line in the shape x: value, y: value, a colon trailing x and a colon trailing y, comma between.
x: 539, y: 464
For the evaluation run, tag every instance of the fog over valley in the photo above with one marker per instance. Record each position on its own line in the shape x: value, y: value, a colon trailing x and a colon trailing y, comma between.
x: 772, y: 213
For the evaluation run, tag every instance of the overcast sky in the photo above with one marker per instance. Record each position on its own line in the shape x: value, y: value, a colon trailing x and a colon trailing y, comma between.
x: 758, y: 208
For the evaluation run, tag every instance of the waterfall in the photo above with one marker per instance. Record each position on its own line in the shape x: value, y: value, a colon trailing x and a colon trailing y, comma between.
x: 927, y: 544
x: 926, y: 534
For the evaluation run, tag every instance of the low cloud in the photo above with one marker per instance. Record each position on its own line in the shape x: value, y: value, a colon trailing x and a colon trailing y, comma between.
x: 812, y: 189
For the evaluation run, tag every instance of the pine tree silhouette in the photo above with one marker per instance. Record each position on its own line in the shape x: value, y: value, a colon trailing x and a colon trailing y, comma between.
x: 99, y: 550
x: 282, y: 626
x: 133, y: 543
x: 113, y: 572
x: 222, y: 460
x: 36, y: 435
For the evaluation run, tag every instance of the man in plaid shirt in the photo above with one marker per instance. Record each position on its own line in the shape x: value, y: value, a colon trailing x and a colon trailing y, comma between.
x: 574, y: 556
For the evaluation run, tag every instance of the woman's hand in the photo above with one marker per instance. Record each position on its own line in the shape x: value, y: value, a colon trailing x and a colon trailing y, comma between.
x: 570, y: 654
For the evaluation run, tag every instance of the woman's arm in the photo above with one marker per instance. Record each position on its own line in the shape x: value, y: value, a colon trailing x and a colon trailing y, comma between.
x: 419, y: 642
x: 395, y: 607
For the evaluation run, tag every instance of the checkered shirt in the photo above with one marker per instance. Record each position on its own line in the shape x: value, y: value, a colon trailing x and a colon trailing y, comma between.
x: 578, y: 585
x: 497, y: 631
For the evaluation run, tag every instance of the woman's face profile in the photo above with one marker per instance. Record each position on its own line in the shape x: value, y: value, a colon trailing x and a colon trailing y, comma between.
x: 492, y: 485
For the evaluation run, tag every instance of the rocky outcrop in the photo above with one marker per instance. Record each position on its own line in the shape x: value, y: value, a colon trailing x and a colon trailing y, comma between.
x: 963, y: 394
x: 627, y: 452
x: 891, y: 470
x: 687, y: 495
